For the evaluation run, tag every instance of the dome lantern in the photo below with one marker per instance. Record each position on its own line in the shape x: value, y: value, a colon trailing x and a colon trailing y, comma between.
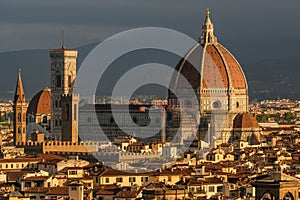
x: 207, y: 31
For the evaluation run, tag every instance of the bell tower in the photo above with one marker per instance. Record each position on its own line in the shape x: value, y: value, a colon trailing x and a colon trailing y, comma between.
x: 63, y: 75
x: 20, y: 109
x: 70, y: 104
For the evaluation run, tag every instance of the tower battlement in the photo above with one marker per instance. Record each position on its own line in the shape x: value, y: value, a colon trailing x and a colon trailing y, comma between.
x: 63, y: 52
x: 70, y: 95
x: 55, y: 147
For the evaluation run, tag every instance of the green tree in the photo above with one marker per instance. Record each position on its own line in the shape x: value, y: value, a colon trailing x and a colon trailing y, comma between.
x: 289, y: 116
x: 2, y: 118
x: 263, y: 118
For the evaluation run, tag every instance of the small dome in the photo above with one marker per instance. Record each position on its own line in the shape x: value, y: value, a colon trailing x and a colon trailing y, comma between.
x: 245, y: 120
x: 40, y: 103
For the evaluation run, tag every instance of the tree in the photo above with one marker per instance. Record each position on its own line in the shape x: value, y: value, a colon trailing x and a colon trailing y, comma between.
x: 263, y: 118
x: 2, y: 118
x: 289, y: 116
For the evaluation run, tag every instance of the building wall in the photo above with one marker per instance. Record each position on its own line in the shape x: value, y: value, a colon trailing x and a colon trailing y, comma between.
x: 20, y: 109
x: 71, y: 163
x: 168, y: 179
x: 40, y: 119
x: 9, y: 164
x: 63, y: 74
x: 75, y: 173
x: 125, y: 180
x: 63, y: 147
x: 70, y: 106
x: 230, y: 103
x: 277, y: 190
x: 76, y: 192
x: 103, y: 126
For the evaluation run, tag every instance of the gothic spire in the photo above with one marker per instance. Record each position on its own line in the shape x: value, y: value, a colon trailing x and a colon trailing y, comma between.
x: 207, y: 30
x: 19, y: 93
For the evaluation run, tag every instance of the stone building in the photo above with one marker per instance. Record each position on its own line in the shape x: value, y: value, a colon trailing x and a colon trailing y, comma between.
x: 63, y: 75
x: 69, y: 114
x: 216, y: 78
x: 218, y: 82
x: 20, y: 109
x: 103, y: 126
x: 277, y: 186
x: 60, y: 105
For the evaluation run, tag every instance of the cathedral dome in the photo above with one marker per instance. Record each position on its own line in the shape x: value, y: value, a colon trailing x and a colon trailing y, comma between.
x: 218, y: 83
x: 245, y: 120
x: 40, y: 103
x: 217, y: 66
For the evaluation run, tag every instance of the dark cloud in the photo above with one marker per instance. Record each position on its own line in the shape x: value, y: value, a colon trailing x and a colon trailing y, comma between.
x: 242, y: 24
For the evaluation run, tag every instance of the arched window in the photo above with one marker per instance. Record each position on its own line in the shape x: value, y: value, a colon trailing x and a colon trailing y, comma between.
x: 89, y: 119
x: 19, y: 117
x: 135, y: 120
x: 237, y: 104
x: 19, y: 129
x: 67, y: 112
x: 288, y: 196
x: 56, y: 103
x: 58, y: 80
x: 112, y: 120
x: 267, y: 196
x: 45, y: 120
x: 70, y: 81
x: 75, y: 111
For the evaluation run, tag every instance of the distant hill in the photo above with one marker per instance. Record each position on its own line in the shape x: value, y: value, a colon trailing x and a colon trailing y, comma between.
x: 35, y: 65
x: 269, y: 79
x: 272, y: 79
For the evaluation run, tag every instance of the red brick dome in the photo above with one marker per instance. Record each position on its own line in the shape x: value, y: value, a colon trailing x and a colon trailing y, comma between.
x: 210, y: 65
x: 219, y: 69
x: 40, y: 103
x: 245, y: 120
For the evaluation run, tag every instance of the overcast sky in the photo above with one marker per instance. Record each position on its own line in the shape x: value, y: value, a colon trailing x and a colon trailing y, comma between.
x: 241, y: 25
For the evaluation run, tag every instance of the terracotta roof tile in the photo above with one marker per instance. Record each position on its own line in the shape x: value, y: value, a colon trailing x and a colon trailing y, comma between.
x: 220, y: 68
x: 36, y: 178
x: 14, y: 176
x: 126, y: 194
x: 37, y: 190
x: 58, y: 191
x: 15, y: 160
x: 105, y: 192
x: 40, y: 103
x: 245, y: 120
